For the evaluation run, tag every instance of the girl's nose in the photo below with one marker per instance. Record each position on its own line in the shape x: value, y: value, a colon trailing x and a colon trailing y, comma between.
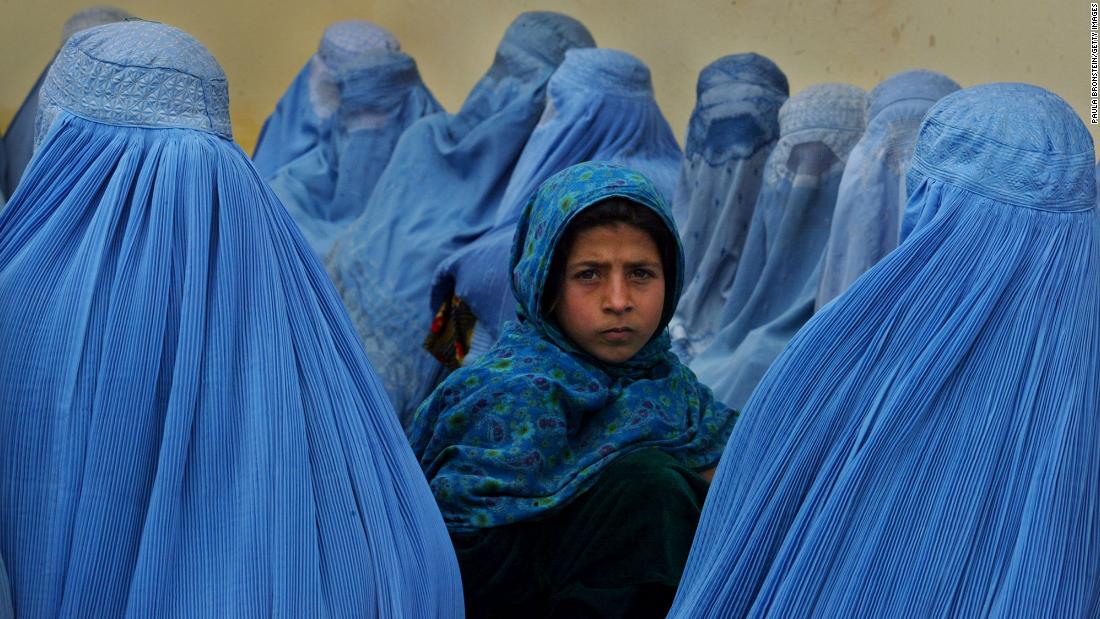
x: 617, y: 295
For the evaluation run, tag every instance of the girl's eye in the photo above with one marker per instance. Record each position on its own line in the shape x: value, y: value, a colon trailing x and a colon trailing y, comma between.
x: 643, y: 274
x: 586, y: 275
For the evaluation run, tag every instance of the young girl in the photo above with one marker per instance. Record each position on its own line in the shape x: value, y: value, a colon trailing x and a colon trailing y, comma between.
x: 566, y: 460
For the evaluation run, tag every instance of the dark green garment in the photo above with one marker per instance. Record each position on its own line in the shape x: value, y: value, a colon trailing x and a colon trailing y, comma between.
x: 617, y: 550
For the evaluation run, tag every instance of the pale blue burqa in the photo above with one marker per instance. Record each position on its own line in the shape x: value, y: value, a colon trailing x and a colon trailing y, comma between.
x: 18, y: 142
x: 929, y: 445
x: 871, y: 198
x: 775, y: 286
x: 731, y: 133
x: 188, y: 426
x: 600, y: 108
x: 303, y: 116
x: 441, y: 188
x: 327, y: 187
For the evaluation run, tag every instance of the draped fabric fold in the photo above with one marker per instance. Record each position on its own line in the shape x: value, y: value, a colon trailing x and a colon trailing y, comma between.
x: 871, y: 198
x: 600, y: 107
x: 304, y: 114
x: 731, y: 133
x: 18, y: 142
x: 928, y: 444
x: 776, y: 282
x: 189, y: 426
x: 440, y: 189
x: 327, y: 187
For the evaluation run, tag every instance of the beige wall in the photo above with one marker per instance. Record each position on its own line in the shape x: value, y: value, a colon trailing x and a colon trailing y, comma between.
x: 263, y: 43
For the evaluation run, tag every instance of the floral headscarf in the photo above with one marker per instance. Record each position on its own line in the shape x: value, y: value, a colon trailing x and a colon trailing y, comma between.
x: 531, y: 423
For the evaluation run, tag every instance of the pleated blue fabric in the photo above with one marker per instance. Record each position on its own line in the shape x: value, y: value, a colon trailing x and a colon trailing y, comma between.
x: 6, y: 610
x: 328, y: 187
x: 775, y: 286
x: 732, y: 131
x: 303, y: 116
x: 928, y: 445
x: 600, y: 108
x: 18, y: 142
x: 871, y: 198
x: 189, y: 427
x: 441, y: 188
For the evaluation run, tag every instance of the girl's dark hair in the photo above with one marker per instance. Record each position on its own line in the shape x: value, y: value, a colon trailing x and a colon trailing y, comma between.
x: 607, y: 212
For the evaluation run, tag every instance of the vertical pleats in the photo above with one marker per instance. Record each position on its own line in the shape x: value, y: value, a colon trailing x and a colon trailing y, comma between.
x: 190, y: 428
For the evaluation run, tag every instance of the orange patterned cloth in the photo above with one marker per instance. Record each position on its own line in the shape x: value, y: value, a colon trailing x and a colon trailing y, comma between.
x: 451, y: 332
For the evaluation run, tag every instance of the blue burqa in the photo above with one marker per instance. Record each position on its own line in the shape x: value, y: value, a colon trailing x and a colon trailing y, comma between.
x: 929, y: 444
x: 440, y: 189
x: 188, y: 425
x: 18, y: 143
x: 303, y: 115
x: 327, y: 188
x: 600, y: 108
x: 871, y: 197
x: 775, y: 286
x: 731, y: 133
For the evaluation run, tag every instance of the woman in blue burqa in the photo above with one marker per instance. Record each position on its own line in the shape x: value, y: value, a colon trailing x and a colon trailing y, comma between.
x: 327, y: 187
x: 304, y: 115
x: 189, y: 427
x: 733, y: 129
x: 441, y: 189
x: 870, y: 200
x: 773, y: 291
x: 928, y: 445
x: 567, y: 459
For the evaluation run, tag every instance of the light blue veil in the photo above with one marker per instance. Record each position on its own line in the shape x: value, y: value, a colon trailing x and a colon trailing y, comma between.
x: 303, y: 115
x: 774, y: 288
x: 731, y: 133
x: 600, y: 107
x: 441, y: 188
x: 188, y: 426
x: 871, y: 199
x: 328, y: 187
x: 929, y: 445
x: 18, y: 142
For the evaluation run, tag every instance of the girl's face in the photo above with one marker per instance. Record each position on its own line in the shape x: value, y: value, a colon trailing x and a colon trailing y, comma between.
x: 612, y: 292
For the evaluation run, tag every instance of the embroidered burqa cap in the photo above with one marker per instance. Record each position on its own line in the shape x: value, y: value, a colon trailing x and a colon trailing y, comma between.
x: 18, y: 142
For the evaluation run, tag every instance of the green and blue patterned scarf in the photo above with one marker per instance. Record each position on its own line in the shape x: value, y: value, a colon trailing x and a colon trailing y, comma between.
x: 530, y: 424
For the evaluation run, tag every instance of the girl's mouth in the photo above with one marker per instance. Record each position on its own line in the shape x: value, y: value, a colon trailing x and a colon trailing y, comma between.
x: 617, y: 333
